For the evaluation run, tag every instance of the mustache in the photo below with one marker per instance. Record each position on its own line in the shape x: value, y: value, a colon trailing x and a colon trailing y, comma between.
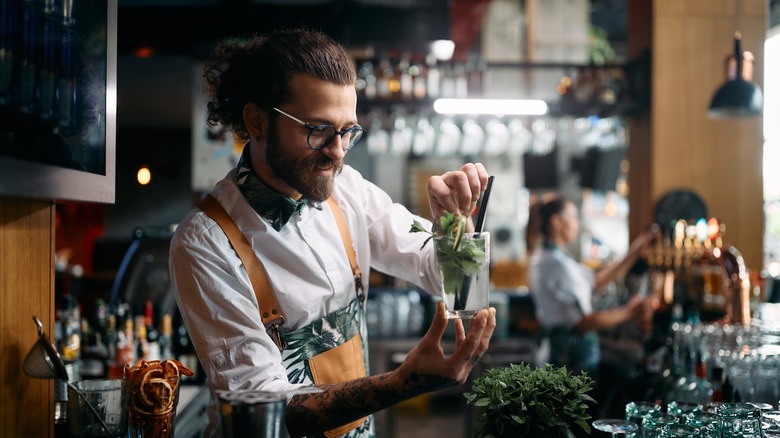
x: 324, y: 161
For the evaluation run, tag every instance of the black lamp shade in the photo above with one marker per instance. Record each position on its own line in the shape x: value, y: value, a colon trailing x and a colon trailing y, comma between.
x: 739, y: 96
x: 736, y: 98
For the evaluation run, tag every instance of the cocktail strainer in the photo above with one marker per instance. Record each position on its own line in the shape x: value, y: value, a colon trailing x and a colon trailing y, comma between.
x: 44, y: 362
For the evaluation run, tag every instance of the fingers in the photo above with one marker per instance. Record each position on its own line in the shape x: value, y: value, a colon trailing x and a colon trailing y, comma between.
x: 488, y: 332
x: 474, y: 340
x: 439, y: 324
x: 460, y: 332
x: 457, y: 191
x: 477, y: 178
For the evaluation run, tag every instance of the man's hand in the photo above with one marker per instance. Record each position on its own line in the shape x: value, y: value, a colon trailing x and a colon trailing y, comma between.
x: 427, y: 368
x: 457, y: 191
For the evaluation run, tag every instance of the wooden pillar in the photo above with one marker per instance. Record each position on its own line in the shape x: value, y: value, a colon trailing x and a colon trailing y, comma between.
x: 675, y: 145
x: 26, y: 289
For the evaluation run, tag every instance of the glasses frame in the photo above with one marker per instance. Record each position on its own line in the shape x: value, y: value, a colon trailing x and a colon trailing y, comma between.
x: 357, y: 128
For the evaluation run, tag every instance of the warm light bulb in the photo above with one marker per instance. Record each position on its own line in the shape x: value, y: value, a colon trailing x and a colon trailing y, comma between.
x: 144, y: 176
x: 443, y: 49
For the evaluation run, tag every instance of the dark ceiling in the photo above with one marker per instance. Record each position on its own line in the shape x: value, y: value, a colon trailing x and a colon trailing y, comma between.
x: 191, y: 27
x: 157, y: 91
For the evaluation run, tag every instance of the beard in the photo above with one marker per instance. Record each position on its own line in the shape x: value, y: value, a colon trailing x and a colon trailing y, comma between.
x: 299, y: 173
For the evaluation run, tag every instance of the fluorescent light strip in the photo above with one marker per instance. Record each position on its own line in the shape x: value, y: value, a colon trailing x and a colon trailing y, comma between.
x: 526, y: 107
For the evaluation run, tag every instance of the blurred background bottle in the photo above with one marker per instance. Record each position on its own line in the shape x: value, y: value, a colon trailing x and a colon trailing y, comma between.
x: 152, y: 335
x: 185, y: 352
x: 166, y: 338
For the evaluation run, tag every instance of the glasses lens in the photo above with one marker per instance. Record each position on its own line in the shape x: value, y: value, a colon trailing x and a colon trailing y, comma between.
x: 321, y: 136
x: 353, y: 136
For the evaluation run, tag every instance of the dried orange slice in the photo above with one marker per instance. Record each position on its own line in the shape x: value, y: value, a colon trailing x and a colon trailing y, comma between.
x: 147, y: 390
x: 157, y: 393
x: 182, y: 369
x: 170, y: 369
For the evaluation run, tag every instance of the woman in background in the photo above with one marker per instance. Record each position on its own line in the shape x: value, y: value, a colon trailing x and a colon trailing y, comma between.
x: 562, y: 289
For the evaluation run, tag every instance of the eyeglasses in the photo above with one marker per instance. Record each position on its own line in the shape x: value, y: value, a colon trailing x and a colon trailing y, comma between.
x: 322, y: 135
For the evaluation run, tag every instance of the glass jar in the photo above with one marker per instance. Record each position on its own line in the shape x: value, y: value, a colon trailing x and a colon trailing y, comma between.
x: 706, y: 423
x: 762, y: 406
x: 637, y: 410
x: 653, y: 424
x: 712, y: 407
x: 681, y: 410
x: 679, y: 431
x: 739, y: 420
x: 770, y: 422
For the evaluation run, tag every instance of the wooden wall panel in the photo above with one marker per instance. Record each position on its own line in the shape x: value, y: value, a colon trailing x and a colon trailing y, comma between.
x: 26, y: 289
x: 719, y: 159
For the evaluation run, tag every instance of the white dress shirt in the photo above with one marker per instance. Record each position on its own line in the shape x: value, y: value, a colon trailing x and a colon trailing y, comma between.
x: 306, y: 265
x: 562, y: 288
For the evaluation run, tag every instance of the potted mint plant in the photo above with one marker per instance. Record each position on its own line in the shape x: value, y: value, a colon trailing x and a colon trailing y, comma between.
x: 519, y: 400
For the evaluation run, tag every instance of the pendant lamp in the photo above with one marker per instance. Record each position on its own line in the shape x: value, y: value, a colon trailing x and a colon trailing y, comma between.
x: 739, y: 96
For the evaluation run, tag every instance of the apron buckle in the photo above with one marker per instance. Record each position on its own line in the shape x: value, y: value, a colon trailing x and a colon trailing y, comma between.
x: 359, y: 288
x: 276, y: 335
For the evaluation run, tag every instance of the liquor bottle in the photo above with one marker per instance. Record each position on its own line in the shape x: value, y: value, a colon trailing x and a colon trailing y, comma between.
x: 93, y: 352
x: 384, y: 75
x: 152, y: 335
x: 110, y: 341
x: 100, y: 324
x: 370, y: 79
x: 141, y: 345
x: 460, y: 81
x: 448, y: 81
x: 360, y: 83
x: 728, y: 390
x: 433, y: 84
x: 717, y: 383
x: 700, y: 389
x: 185, y: 352
x: 419, y: 73
x: 406, y: 81
x: 127, y: 354
x: 166, y: 338
x: 124, y: 350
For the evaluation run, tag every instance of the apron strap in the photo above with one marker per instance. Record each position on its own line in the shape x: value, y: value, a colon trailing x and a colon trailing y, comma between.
x: 346, y: 239
x: 270, y: 314
x: 269, y: 309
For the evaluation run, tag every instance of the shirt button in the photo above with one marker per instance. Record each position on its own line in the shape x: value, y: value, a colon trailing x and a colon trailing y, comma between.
x: 219, y: 361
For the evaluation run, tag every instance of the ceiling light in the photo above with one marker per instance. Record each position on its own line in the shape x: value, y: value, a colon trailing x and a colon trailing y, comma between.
x: 525, y: 107
x: 739, y: 96
x: 443, y: 49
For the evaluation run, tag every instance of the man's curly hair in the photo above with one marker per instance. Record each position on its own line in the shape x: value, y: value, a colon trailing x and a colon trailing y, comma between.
x: 259, y: 71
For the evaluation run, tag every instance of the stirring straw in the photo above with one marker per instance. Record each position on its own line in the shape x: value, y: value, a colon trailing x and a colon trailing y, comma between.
x: 466, y: 285
x: 483, y: 205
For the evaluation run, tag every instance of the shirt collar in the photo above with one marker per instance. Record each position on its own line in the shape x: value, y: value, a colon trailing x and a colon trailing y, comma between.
x: 276, y: 208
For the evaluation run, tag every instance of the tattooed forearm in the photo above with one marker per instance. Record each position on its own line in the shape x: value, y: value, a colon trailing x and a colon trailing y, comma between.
x: 340, y: 403
x: 418, y: 384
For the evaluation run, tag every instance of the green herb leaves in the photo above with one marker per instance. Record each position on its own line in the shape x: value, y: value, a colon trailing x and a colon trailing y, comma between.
x: 449, y: 250
x: 519, y: 400
x: 449, y: 225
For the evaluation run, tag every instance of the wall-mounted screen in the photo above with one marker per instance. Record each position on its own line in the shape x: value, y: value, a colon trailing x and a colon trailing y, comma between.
x: 57, y: 99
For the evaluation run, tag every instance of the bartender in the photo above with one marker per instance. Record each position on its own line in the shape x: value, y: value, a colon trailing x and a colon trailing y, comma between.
x: 268, y: 272
x: 563, y: 290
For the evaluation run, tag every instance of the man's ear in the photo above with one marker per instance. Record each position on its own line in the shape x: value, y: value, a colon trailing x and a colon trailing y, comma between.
x: 255, y: 120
